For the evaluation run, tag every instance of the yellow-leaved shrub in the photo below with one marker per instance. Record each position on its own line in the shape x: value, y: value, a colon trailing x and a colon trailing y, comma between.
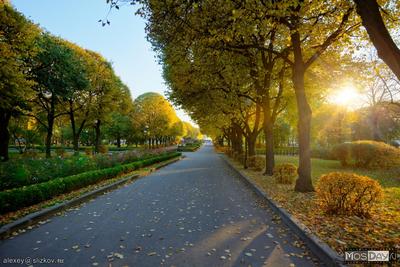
x: 103, y: 149
x: 348, y: 193
x: 257, y: 162
x: 367, y: 154
x: 285, y: 173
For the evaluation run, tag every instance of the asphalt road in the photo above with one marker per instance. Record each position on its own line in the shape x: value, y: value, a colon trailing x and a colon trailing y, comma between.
x: 196, y: 212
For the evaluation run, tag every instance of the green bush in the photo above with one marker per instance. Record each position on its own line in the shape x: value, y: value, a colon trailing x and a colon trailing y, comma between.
x: 347, y: 193
x: 285, y: 173
x: 367, y: 154
x: 18, y: 198
x: 189, y: 147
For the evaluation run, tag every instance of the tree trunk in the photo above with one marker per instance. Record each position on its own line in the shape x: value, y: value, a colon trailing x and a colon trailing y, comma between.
x: 269, y: 149
x: 118, y: 141
x: 75, y: 143
x: 75, y: 133
x: 97, y: 137
x: 50, y: 124
x: 238, y: 147
x: 372, y: 20
x: 73, y: 127
x: 251, y: 143
x: 245, y: 153
x: 252, y: 136
x: 4, y: 134
x: 303, y: 182
x: 268, y: 127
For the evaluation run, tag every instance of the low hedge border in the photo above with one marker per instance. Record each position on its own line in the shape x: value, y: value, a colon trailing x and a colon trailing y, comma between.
x: 12, y: 181
x: 42, y: 215
x: 189, y: 148
x: 81, y: 148
x: 14, y: 199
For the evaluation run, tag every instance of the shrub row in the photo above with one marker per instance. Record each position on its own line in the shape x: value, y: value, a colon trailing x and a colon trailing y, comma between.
x: 18, y: 198
x: 337, y: 192
x: 189, y: 147
x: 18, y: 173
x: 367, y: 154
x: 81, y: 148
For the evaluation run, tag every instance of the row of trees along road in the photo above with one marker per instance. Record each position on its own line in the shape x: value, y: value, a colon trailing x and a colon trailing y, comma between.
x: 238, y: 66
x: 53, y: 91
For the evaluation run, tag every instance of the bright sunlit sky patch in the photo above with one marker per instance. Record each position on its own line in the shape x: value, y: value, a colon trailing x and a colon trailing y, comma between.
x: 123, y: 42
x: 347, y: 96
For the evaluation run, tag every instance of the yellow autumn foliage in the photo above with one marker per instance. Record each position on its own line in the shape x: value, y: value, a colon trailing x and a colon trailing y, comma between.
x: 367, y: 154
x: 285, y: 173
x: 257, y: 162
x: 348, y: 193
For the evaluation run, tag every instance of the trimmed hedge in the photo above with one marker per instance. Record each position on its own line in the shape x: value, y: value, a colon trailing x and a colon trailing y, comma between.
x: 22, y: 172
x: 285, y: 173
x: 348, y: 193
x: 257, y: 162
x: 189, y: 147
x: 367, y: 154
x: 18, y: 198
x: 81, y: 148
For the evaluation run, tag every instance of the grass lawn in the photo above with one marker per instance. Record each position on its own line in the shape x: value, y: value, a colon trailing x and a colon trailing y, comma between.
x: 382, y: 229
x: 387, y: 178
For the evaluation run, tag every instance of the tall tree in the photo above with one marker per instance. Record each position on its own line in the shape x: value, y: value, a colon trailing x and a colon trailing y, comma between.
x: 310, y: 37
x: 58, y: 72
x: 17, y: 45
x: 106, y: 89
x: 120, y: 125
x: 372, y: 20
x: 156, y: 118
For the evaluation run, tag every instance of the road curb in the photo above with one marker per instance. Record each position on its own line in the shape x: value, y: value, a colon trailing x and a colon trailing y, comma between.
x: 32, y: 218
x: 327, y: 255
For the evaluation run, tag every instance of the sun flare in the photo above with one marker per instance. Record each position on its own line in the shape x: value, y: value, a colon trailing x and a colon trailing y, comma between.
x: 347, y: 97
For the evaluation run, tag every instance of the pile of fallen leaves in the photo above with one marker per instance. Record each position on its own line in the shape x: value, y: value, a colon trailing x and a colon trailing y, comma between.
x: 381, y: 230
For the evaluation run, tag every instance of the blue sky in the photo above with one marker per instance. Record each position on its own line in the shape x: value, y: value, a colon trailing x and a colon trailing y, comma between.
x: 123, y: 42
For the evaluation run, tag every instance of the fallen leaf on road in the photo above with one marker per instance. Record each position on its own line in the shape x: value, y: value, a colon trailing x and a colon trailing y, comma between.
x: 118, y: 255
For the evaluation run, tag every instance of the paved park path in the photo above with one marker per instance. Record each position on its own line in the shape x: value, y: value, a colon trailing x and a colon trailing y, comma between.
x: 196, y: 212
